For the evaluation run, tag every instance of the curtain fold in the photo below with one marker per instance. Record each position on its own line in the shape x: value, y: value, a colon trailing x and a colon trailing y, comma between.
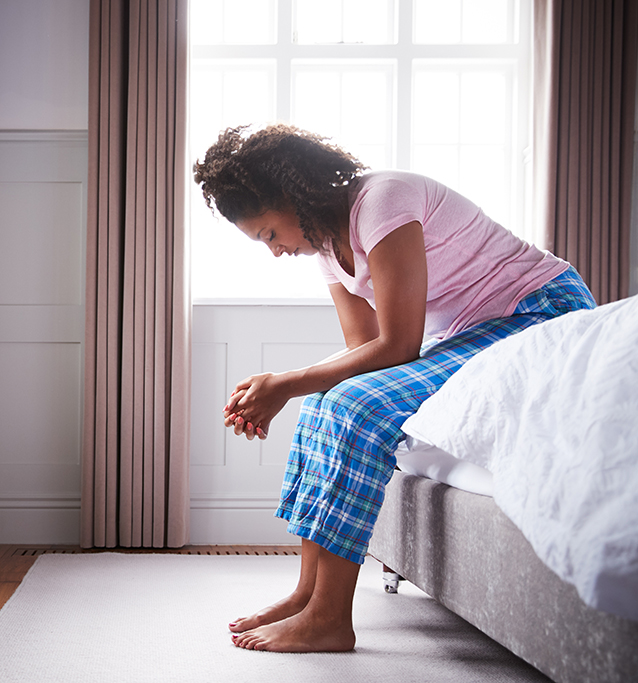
x: 584, y: 102
x: 135, y: 488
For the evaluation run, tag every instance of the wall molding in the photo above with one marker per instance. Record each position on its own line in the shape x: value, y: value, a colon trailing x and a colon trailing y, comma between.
x: 9, y: 135
x: 220, y: 502
x: 40, y: 502
x: 266, y: 302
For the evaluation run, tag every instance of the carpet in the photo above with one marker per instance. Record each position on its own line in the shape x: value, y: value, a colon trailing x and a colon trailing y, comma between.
x: 154, y: 618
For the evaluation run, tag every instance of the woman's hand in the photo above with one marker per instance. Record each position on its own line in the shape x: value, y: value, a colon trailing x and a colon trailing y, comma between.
x: 254, y: 403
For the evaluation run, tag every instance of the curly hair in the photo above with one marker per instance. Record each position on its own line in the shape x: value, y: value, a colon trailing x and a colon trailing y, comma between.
x: 276, y: 167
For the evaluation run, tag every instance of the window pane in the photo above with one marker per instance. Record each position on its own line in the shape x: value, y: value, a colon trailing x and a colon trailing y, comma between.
x: 369, y: 22
x: 436, y: 100
x: 440, y: 162
x: 227, y: 264
x: 437, y: 22
x: 462, y: 129
x: 316, y: 100
x: 229, y: 94
x: 223, y: 94
x: 223, y: 22
x: 484, y: 108
x: 206, y: 22
x: 486, y: 21
x: 478, y: 172
x: 483, y: 180
x: 463, y: 21
x: 350, y: 103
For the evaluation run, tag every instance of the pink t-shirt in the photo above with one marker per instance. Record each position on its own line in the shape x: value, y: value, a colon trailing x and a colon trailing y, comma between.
x: 477, y: 270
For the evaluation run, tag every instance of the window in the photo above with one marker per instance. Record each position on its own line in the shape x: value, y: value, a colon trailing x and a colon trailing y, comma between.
x: 440, y: 88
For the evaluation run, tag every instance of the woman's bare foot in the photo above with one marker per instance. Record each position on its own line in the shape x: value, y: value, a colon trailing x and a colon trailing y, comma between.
x: 295, y: 602
x: 303, y: 632
x: 287, y: 607
x: 317, y: 617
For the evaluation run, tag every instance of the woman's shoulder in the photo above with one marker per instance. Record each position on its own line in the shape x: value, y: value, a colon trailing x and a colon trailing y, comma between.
x: 397, y: 187
x: 389, y: 178
x: 378, y: 187
x: 384, y: 201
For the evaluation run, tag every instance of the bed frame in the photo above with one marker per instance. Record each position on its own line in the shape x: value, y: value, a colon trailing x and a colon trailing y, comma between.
x: 464, y: 552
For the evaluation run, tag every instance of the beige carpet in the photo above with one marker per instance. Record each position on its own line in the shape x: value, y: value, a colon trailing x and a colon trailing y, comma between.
x: 120, y: 618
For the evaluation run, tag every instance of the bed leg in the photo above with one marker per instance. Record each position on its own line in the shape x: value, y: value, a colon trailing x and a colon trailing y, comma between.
x: 390, y: 580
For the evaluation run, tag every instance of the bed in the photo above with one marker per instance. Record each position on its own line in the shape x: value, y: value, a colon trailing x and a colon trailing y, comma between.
x: 516, y: 501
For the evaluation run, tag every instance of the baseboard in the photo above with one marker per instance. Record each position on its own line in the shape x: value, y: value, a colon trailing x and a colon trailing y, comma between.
x: 56, y: 520
x: 40, y: 521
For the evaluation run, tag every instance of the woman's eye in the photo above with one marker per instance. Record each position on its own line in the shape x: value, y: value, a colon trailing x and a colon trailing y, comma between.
x: 272, y: 237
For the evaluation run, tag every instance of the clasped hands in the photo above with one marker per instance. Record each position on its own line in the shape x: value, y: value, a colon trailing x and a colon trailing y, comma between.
x: 254, y: 403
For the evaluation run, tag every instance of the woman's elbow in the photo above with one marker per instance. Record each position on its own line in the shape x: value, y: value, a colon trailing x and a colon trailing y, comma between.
x: 410, y: 353
x: 401, y: 351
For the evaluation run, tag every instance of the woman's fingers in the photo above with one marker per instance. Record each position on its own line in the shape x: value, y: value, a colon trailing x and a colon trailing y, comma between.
x: 229, y: 418
x: 238, y: 425
x: 234, y: 399
x: 241, y: 426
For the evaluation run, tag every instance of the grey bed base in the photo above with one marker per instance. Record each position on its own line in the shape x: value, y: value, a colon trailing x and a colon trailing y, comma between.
x: 463, y: 551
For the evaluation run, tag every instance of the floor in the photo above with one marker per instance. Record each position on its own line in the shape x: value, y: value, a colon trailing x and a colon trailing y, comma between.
x: 16, y: 560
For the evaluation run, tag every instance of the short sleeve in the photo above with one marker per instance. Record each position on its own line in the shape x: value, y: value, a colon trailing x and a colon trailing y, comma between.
x: 383, y: 205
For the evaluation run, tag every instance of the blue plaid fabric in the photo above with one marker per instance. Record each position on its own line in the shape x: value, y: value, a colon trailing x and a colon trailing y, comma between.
x: 342, y: 454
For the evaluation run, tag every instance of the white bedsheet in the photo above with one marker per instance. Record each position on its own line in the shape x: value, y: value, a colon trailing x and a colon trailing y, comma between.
x: 426, y: 460
x: 552, y: 412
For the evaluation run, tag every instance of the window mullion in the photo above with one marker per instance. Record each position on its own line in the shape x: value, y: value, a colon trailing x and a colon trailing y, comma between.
x: 402, y: 105
x: 285, y: 53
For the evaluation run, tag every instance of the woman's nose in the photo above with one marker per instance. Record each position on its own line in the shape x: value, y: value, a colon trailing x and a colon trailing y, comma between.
x: 277, y: 250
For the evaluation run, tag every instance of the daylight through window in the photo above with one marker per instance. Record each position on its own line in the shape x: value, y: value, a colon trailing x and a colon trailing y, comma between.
x: 440, y: 88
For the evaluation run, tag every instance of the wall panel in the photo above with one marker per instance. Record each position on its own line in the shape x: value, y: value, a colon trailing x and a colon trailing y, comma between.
x: 235, y: 483
x: 42, y: 228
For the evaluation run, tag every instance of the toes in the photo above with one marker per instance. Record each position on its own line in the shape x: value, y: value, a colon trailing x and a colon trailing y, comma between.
x: 244, y: 624
x: 236, y: 626
x: 249, y: 641
x: 256, y: 643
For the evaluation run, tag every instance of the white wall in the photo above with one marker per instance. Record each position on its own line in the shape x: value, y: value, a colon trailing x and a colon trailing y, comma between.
x: 43, y: 161
x: 44, y: 49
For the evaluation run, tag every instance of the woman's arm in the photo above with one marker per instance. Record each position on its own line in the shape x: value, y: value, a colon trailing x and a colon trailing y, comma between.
x: 390, y: 337
x: 357, y: 318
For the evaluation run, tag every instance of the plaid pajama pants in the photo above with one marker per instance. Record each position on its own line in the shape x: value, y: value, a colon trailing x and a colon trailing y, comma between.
x: 342, y: 454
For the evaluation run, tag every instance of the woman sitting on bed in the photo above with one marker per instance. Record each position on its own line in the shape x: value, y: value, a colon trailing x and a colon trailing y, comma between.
x: 401, y: 254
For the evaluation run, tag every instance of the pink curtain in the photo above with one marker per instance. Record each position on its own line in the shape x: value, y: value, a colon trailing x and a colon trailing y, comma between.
x: 135, y: 488
x: 584, y: 102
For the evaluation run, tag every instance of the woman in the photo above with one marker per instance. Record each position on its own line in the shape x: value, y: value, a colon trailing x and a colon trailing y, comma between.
x: 401, y: 254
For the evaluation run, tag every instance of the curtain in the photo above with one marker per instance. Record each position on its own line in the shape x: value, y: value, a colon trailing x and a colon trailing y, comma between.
x: 135, y: 489
x: 584, y: 103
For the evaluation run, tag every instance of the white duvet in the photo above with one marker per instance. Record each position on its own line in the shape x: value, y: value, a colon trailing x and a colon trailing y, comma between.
x: 552, y: 413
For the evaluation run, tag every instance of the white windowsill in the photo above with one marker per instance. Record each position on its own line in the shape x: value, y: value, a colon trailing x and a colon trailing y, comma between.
x: 291, y: 301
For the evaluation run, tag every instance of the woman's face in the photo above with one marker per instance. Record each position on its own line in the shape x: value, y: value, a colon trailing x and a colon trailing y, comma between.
x: 279, y: 230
